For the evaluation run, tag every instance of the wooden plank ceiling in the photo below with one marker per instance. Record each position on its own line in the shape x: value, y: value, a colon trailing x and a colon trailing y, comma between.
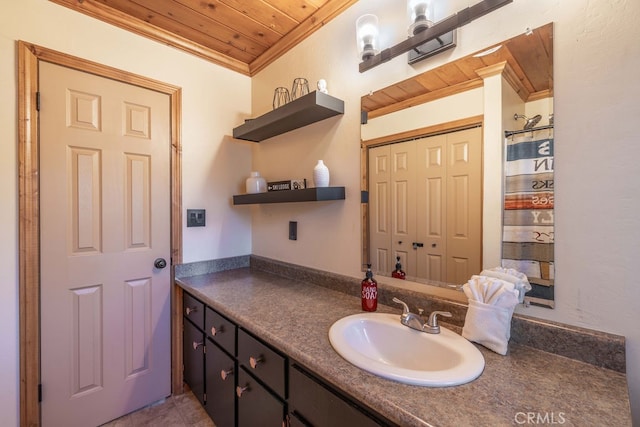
x: 528, y: 62
x: 242, y: 35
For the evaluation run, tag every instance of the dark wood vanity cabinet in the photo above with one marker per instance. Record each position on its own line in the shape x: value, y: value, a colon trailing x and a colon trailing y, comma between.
x: 193, y: 354
x: 243, y: 382
x: 193, y: 346
x: 209, y: 364
x: 313, y: 403
x: 263, y: 362
x: 262, y: 383
x: 221, y: 373
x: 257, y: 405
x: 221, y: 369
x: 220, y: 330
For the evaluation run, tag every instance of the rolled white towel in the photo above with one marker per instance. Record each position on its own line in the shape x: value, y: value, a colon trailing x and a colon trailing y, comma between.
x: 490, y: 289
x: 519, y: 279
x: 491, y: 305
x: 488, y: 325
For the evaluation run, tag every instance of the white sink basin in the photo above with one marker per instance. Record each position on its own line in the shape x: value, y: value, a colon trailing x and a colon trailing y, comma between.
x: 380, y: 344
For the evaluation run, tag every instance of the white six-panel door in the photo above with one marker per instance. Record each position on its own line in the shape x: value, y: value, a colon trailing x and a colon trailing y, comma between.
x: 379, y: 208
x: 431, y: 175
x: 428, y: 192
x: 403, y: 206
x: 105, y: 218
x: 464, y: 205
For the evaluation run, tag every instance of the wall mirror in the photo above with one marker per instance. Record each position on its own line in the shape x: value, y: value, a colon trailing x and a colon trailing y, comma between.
x: 437, y: 152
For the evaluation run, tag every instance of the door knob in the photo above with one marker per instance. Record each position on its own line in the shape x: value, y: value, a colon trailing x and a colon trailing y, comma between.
x: 160, y: 263
x: 417, y: 245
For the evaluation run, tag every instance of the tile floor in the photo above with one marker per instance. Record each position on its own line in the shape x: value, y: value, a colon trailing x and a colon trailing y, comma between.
x: 176, y: 411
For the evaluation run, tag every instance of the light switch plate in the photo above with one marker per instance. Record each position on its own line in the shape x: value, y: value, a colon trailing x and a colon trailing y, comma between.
x: 293, y: 230
x: 196, y: 217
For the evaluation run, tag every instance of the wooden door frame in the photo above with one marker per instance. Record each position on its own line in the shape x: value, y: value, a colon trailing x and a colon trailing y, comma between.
x: 29, y: 57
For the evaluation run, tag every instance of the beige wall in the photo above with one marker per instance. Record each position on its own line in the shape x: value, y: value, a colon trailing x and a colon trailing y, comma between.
x: 213, y: 100
x: 596, y: 108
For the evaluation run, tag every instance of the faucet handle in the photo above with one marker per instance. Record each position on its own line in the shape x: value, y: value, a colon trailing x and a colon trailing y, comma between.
x: 433, y: 317
x: 405, y: 307
x: 432, y: 326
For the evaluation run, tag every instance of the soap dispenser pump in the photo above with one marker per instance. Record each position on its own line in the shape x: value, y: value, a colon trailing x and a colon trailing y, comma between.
x: 398, y: 273
x: 369, y: 291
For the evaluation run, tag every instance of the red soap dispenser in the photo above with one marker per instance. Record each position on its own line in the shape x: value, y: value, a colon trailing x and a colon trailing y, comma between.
x: 369, y: 291
x: 398, y: 273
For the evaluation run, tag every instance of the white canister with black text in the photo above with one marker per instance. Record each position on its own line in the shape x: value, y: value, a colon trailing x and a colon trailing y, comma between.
x: 256, y: 184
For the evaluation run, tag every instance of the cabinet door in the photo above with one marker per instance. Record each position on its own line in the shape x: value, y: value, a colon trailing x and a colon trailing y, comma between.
x: 256, y: 405
x: 221, y: 386
x: 312, y: 404
x: 193, y: 354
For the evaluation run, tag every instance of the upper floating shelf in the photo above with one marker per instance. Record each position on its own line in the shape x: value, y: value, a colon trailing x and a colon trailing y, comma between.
x: 310, y: 108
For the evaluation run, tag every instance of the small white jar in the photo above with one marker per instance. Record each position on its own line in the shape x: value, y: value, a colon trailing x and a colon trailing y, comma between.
x: 256, y: 184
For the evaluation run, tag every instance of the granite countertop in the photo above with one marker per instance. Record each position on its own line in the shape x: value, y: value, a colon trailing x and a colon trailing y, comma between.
x: 525, y: 386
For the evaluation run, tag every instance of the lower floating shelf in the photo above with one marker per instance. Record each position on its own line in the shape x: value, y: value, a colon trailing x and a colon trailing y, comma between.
x: 306, y: 195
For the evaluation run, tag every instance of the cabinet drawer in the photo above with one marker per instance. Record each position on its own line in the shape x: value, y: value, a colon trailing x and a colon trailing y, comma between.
x: 221, y: 330
x: 256, y: 405
x: 221, y: 371
x: 313, y: 404
x: 193, y: 310
x: 263, y: 362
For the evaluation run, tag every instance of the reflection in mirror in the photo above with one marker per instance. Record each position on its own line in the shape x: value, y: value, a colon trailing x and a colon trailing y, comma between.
x: 435, y: 166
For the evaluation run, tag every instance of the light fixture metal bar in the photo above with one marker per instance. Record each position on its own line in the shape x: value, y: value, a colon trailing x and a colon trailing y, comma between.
x: 457, y: 20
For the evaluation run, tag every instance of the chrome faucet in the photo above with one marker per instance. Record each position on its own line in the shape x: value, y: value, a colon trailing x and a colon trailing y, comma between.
x: 415, y: 321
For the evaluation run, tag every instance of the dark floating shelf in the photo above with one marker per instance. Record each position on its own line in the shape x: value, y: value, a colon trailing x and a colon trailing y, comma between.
x: 307, y: 195
x: 310, y: 108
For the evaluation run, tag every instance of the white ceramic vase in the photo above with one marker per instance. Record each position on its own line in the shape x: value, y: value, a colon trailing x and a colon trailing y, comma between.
x: 321, y: 175
x: 256, y: 184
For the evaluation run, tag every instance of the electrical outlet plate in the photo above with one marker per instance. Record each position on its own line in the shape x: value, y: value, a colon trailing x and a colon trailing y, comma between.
x: 196, y: 217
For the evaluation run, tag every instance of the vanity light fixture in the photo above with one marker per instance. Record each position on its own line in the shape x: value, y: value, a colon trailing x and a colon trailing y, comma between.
x: 420, y: 15
x: 367, y: 36
x: 426, y: 33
